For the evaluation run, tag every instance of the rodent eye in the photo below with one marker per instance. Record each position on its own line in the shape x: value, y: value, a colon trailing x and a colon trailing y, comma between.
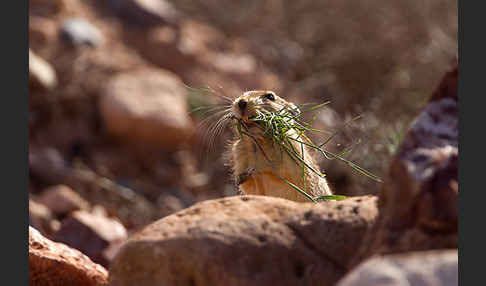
x: 269, y: 96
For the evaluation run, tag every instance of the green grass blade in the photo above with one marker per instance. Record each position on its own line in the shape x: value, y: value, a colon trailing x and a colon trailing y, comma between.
x: 331, y: 197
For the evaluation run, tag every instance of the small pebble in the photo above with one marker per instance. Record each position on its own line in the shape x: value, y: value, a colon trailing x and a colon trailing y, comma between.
x: 79, y: 32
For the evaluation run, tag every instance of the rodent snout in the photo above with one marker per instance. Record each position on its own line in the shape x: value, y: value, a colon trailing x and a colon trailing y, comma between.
x: 242, y: 104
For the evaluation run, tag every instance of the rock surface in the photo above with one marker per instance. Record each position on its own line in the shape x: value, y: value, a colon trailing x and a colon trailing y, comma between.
x: 62, y: 200
x: 247, y: 240
x: 147, y: 106
x: 421, y: 268
x: 55, y: 264
x: 91, y: 233
x: 419, y: 200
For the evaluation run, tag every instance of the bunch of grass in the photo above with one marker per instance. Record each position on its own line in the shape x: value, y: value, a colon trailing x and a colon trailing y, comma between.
x: 277, y: 127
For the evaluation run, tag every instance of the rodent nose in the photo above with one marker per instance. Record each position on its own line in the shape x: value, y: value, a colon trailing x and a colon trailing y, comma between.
x: 242, y: 104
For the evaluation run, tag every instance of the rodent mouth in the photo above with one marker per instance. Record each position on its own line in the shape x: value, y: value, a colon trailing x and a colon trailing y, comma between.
x: 244, y: 118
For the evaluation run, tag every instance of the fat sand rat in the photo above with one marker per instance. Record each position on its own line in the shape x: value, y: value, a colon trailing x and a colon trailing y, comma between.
x: 259, y: 165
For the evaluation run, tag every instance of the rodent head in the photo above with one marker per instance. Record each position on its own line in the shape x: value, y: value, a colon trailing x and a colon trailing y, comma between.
x: 251, y: 102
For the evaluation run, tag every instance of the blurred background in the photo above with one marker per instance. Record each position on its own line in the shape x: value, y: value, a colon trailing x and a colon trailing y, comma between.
x: 113, y: 83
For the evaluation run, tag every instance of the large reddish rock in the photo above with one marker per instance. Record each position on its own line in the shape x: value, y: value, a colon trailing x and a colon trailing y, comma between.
x: 55, y: 264
x: 418, y: 268
x: 247, y: 240
x: 92, y: 233
x: 419, y: 199
x: 147, y: 106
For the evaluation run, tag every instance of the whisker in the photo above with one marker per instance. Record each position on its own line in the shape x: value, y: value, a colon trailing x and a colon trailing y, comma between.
x: 208, y: 91
x: 209, y: 129
x: 216, y: 124
x: 208, y: 107
x: 218, y: 94
x: 221, y: 94
x: 204, y: 111
x: 217, y: 130
x: 212, y: 116
x: 213, y: 110
x: 207, y: 125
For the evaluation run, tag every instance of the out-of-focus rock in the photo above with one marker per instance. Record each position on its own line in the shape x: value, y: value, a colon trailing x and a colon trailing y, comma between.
x: 161, y: 46
x: 146, y: 13
x: 49, y: 158
x: 421, y: 268
x: 177, y: 49
x: 98, y: 210
x: 47, y: 7
x: 62, y: 200
x: 194, y: 51
x: 41, y: 74
x: 91, y: 234
x: 419, y: 200
x: 188, y: 163
x: 55, y: 264
x: 147, y: 106
x: 133, y: 209
x: 79, y: 32
x: 232, y: 63
x: 247, y: 240
x: 41, y: 31
x: 111, y: 251
x: 241, y: 68
x: 197, y: 38
x: 41, y: 218
x: 167, y: 204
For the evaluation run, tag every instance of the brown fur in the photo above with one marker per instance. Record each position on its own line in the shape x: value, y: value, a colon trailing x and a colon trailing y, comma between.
x: 251, y: 165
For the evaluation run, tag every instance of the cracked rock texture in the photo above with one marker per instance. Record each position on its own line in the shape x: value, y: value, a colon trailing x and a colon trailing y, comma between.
x: 247, y: 240
x: 53, y: 264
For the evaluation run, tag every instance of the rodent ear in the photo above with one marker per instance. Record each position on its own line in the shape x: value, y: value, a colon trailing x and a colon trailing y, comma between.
x: 294, y: 110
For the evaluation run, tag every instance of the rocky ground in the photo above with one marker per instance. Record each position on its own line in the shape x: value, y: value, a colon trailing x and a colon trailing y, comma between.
x: 125, y: 185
